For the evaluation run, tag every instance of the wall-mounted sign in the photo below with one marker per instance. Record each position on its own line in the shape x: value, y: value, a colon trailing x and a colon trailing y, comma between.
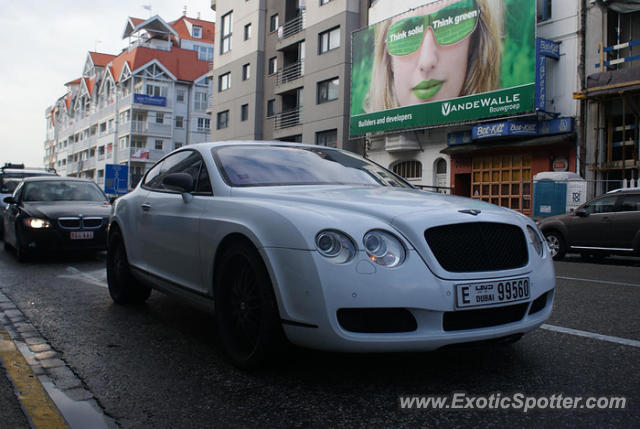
x: 149, y: 99
x: 544, y: 49
x: 512, y: 129
x: 560, y: 164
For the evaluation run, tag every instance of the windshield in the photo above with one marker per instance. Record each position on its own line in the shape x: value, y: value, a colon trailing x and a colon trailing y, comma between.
x: 266, y: 165
x: 62, y: 191
x: 10, y: 181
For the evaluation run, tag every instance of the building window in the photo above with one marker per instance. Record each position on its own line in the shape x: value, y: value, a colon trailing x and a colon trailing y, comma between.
x: 200, y: 101
x: 328, y: 90
x: 327, y: 138
x: 247, y: 31
x: 222, y: 120
x: 323, y: 2
x: 225, y: 46
x: 205, y: 53
x: 179, y: 121
x: 197, y: 32
x: 204, y: 124
x: 224, y: 81
x: 159, y: 118
x: 156, y: 90
x: 180, y: 95
x: 159, y: 145
x: 544, y: 9
x: 178, y: 145
x: 271, y: 108
x: 408, y: 169
x: 246, y: 71
x: 244, y: 112
x: 273, y: 65
x: 273, y: 22
x: 329, y: 40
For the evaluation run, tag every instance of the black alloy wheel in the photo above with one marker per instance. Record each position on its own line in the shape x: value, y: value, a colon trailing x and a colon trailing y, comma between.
x: 123, y: 287
x: 246, y: 311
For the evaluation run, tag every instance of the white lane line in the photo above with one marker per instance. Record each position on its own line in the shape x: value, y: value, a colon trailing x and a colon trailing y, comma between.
x: 599, y: 281
x: 593, y: 335
x: 97, y: 277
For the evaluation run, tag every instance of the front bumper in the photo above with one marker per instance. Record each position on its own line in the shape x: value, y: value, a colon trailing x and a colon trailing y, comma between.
x: 54, y: 239
x: 312, y: 292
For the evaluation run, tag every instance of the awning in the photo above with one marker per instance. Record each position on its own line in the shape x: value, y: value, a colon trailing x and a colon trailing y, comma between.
x: 497, y: 144
x: 621, y: 6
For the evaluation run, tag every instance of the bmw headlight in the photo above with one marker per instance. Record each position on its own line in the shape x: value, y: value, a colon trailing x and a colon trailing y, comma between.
x: 383, y: 248
x: 36, y: 223
x: 335, y: 246
x: 535, y: 239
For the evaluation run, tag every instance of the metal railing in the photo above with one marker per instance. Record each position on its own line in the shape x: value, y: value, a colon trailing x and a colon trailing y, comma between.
x: 290, y: 73
x: 287, y: 119
x: 292, y: 27
x: 604, y: 50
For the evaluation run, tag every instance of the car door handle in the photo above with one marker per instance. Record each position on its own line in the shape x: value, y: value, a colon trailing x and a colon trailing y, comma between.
x: 146, y: 206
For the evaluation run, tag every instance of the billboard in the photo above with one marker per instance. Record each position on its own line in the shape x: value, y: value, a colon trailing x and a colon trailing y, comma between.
x: 444, y: 62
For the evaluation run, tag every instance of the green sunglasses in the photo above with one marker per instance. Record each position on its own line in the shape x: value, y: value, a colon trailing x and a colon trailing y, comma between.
x: 450, y: 25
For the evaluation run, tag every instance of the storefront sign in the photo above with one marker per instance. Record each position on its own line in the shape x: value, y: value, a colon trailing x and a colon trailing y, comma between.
x: 544, y: 49
x: 149, y: 99
x: 459, y: 137
x: 387, y: 94
x: 511, y: 129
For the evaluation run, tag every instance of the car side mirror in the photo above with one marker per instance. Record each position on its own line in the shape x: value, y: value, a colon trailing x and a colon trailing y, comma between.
x: 112, y: 200
x: 581, y: 213
x: 181, y: 182
x: 8, y: 200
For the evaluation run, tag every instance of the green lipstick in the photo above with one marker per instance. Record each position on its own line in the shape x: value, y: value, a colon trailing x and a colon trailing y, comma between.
x: 427, y: 88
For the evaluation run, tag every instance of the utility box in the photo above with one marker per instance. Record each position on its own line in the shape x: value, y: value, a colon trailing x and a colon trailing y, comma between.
x: 557, y: 192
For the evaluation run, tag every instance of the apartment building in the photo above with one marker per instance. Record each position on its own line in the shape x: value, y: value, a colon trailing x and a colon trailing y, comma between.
x: 135, y: 106
x: 282, y: 70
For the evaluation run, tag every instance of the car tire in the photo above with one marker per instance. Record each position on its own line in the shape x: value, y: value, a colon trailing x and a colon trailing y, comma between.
x: 123, y: 287
x: 246, y: 311
x: 556, y: 243
x: 22, y: 254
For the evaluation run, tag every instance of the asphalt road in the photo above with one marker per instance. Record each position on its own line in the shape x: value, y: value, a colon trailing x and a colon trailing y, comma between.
x: 160, y: 366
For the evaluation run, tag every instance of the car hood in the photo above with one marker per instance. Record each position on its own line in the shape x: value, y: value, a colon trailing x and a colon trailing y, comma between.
x: 54, y: 210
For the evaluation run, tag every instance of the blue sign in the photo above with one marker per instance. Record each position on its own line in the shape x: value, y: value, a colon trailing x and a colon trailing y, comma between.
x: 116, y: 179
x: 459, y: 137
x: 149, y: 99
x: 544, y: 49
x: 520, y: 128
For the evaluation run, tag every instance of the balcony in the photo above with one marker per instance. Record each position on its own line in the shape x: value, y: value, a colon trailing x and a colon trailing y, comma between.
x: 287, y: 119
x: 290, y: 73
x: 292, y: 27
x: 150, y: 128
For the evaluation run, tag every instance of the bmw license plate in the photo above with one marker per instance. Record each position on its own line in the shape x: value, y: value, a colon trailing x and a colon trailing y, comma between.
x: 81, y: 235
x: 490, y: 293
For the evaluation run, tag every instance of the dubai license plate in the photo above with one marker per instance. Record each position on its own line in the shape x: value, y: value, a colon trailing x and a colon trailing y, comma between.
x: 491, y: 293
x: 81, y: 235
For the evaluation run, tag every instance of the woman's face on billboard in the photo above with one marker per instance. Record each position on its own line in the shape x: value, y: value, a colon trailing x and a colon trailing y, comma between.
x: 429, y: 50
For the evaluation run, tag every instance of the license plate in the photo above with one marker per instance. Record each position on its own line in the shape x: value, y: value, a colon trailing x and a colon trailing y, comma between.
x: 491, y: 293
x: 81, y: 235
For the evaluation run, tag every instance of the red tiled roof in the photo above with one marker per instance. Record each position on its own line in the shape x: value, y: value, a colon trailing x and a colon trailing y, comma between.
x: 73, y: 82
x: 101, y: 60
x: 136, y: 21
x: 91, y: 83
x: 208, y: 29
x: 182, y: 63
x: 67, y: 101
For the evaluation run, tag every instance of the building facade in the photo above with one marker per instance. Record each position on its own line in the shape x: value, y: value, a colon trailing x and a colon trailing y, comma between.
x: 611, y: 97
x: 282, y: 70
x: 134, y: 107
x: 485, y: 158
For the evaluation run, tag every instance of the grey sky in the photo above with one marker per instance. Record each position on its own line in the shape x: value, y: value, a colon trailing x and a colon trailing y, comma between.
x: 46, y: 45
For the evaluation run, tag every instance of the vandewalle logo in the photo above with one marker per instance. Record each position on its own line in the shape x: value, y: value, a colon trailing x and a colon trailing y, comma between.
x: 448, y: 107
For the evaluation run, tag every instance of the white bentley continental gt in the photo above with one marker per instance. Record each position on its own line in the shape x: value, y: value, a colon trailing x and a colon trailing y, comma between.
x: 325, y: 249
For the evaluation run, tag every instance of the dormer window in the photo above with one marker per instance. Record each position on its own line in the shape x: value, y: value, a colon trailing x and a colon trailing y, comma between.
x: 197, y: 32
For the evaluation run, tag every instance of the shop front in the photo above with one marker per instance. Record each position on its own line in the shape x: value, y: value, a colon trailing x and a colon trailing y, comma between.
x: 496, y: 162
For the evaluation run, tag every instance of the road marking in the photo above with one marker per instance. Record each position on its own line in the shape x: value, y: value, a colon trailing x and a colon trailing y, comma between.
x: 96, y: 277
x: 593, y: 335
x: 599, y: 281
x: 38, y: 406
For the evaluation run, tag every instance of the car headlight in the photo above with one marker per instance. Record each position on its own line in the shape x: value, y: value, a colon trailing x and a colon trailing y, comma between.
x: 335, y: 246
x: 383, y: 248
x: 36, y: 223
x: 536, y: 241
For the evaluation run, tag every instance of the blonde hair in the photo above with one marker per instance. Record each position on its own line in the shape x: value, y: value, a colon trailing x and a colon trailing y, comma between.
x: 483, y: 64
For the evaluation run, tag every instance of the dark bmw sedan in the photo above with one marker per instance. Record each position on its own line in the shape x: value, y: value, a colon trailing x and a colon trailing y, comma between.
x: 56, y: 214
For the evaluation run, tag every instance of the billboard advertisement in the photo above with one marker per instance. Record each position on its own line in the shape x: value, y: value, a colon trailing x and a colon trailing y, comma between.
x: 447, y: 61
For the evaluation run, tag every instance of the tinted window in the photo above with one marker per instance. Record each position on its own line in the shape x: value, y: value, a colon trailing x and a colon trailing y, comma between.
x: 630, y: 203
x: 603, y: 205
x: 189, y: 162
x: 278, y: 166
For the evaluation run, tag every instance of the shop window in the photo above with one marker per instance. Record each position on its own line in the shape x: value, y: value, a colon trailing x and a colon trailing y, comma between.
x: 408, y: 169
x: 503, y: 180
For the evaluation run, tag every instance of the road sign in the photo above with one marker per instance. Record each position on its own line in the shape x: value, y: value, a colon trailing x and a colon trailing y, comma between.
x: 116, y: 179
